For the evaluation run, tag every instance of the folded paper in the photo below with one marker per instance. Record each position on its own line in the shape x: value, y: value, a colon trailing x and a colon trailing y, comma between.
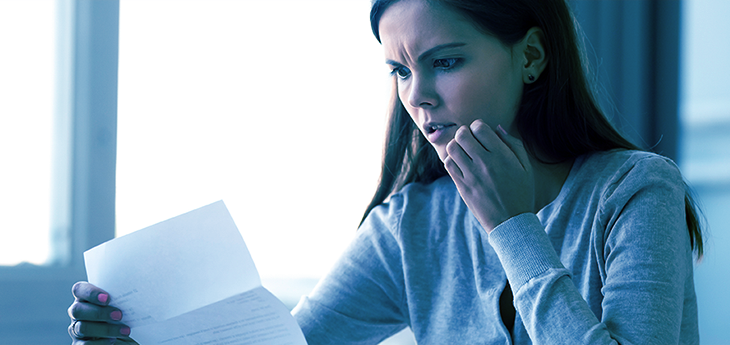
x: 190, y: 280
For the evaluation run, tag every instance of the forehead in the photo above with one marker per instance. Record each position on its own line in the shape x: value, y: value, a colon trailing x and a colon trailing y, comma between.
x: 412, y: 26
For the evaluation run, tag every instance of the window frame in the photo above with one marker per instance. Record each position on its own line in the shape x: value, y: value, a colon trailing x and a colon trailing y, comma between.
x: 35, y: 298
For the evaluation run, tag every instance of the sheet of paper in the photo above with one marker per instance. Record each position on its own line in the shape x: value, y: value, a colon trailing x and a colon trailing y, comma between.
x: 248, y: 318
x: 190, y: 280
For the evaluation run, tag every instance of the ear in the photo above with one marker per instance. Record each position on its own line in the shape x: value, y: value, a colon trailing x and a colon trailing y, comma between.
x: 532, y: 52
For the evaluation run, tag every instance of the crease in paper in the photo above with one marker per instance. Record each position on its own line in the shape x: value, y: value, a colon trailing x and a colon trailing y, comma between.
x: 157, y: 273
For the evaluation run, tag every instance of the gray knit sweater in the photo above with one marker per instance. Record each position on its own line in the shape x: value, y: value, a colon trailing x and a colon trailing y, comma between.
x: 608, y: 261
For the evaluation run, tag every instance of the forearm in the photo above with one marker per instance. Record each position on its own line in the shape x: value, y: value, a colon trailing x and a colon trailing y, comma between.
x: 554, y: 311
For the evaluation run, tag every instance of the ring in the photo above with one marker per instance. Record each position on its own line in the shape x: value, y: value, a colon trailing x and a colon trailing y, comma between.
x: 73, y: 330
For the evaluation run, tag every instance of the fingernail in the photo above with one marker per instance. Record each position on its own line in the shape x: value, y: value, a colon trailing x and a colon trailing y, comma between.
x: 502, y: 129
x: 116, y: 315
x: 124, y: 331
x: 103, y: 297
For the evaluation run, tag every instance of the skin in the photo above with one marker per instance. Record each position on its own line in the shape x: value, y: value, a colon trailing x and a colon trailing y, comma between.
x: 98, y: 323
x: 469, y: 84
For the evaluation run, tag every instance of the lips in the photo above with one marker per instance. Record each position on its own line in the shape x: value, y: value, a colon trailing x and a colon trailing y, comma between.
x: 431, y: 128
x: 435, y: 131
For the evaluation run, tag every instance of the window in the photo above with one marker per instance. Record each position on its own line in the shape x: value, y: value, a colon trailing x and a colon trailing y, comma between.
x: 212, y: 94
x: 79, y: 187
x: 26, y: 129
x: 705, y: 118
x: 276, y: 107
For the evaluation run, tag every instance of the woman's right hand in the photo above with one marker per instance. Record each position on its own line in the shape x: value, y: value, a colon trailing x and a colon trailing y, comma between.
x: 93, y: 321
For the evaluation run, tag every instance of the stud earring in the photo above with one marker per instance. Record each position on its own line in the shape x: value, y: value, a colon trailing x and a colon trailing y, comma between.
x: 530, y: 77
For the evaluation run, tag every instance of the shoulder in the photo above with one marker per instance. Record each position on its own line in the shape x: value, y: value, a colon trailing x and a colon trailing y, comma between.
x: 622, y: 169
x: 619, y: 162
x: 419, y: 200
x: 425, y: 194
x: 622, y: 179
x: 417, y: 203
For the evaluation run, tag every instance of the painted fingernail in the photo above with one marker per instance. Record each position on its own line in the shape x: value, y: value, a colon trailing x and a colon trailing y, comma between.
x: 116, y: 315
x: 124, y: 331
x: 103, y: 297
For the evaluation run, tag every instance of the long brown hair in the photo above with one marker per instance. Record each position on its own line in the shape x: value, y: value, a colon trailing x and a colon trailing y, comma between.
x: 558, y: 113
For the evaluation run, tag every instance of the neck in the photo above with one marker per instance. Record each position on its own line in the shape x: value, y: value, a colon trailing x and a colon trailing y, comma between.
x: 549, y: 180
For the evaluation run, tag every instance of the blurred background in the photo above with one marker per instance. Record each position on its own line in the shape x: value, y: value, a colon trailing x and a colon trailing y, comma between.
x: 115, y: 115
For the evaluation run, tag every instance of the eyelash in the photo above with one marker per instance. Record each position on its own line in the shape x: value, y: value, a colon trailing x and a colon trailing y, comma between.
x: 437, y: 63
x: 453, y: 62
x: 397, y: 72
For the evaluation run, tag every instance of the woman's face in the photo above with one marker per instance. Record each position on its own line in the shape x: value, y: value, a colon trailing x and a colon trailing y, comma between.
x: 448, y: 72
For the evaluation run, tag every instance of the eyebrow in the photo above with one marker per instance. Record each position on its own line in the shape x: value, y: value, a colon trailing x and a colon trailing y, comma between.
x: 427, y: 54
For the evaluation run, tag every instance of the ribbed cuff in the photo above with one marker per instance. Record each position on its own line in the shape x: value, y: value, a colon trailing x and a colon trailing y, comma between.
x: 523, y: 248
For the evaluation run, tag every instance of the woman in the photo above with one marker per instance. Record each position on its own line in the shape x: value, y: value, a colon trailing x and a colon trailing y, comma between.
x: 500, y: 175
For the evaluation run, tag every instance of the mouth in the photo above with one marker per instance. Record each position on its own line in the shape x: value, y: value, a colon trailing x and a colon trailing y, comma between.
x: 435, y: 127
x: 436, y: 133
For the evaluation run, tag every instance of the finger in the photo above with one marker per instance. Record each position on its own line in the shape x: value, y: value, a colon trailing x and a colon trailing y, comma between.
x: 106, y: 341
x: 486, y: 137
x: 89, y: 293
x: 90, y: 312
x: 515, y: 145
x: 467, y: 142
x: 97, y: 342
x: 457, y: 153
x: 453, y: 169
x: 89, y: 329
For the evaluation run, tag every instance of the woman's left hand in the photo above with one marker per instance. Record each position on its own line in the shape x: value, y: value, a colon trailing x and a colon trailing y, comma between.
x: 492, y: 172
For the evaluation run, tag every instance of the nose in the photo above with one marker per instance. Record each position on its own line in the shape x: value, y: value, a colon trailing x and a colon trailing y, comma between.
x: 422, y: 93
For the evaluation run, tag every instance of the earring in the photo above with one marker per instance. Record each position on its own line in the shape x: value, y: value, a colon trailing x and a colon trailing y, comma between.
x: 530, y: 77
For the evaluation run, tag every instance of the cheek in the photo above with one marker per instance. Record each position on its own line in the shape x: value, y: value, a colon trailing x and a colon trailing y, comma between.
x: 403, y: 97
x: 492, y: 97
x: 469, y: 98
x: 402, y: 94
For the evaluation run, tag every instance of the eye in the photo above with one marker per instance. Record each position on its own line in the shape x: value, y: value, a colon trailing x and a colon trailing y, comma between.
x: 401, y: 71
x: 445, y: 63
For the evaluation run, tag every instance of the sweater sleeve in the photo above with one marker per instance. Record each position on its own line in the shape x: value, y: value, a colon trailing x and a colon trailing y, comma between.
x: 361, y: 300
x: 642, y: 244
